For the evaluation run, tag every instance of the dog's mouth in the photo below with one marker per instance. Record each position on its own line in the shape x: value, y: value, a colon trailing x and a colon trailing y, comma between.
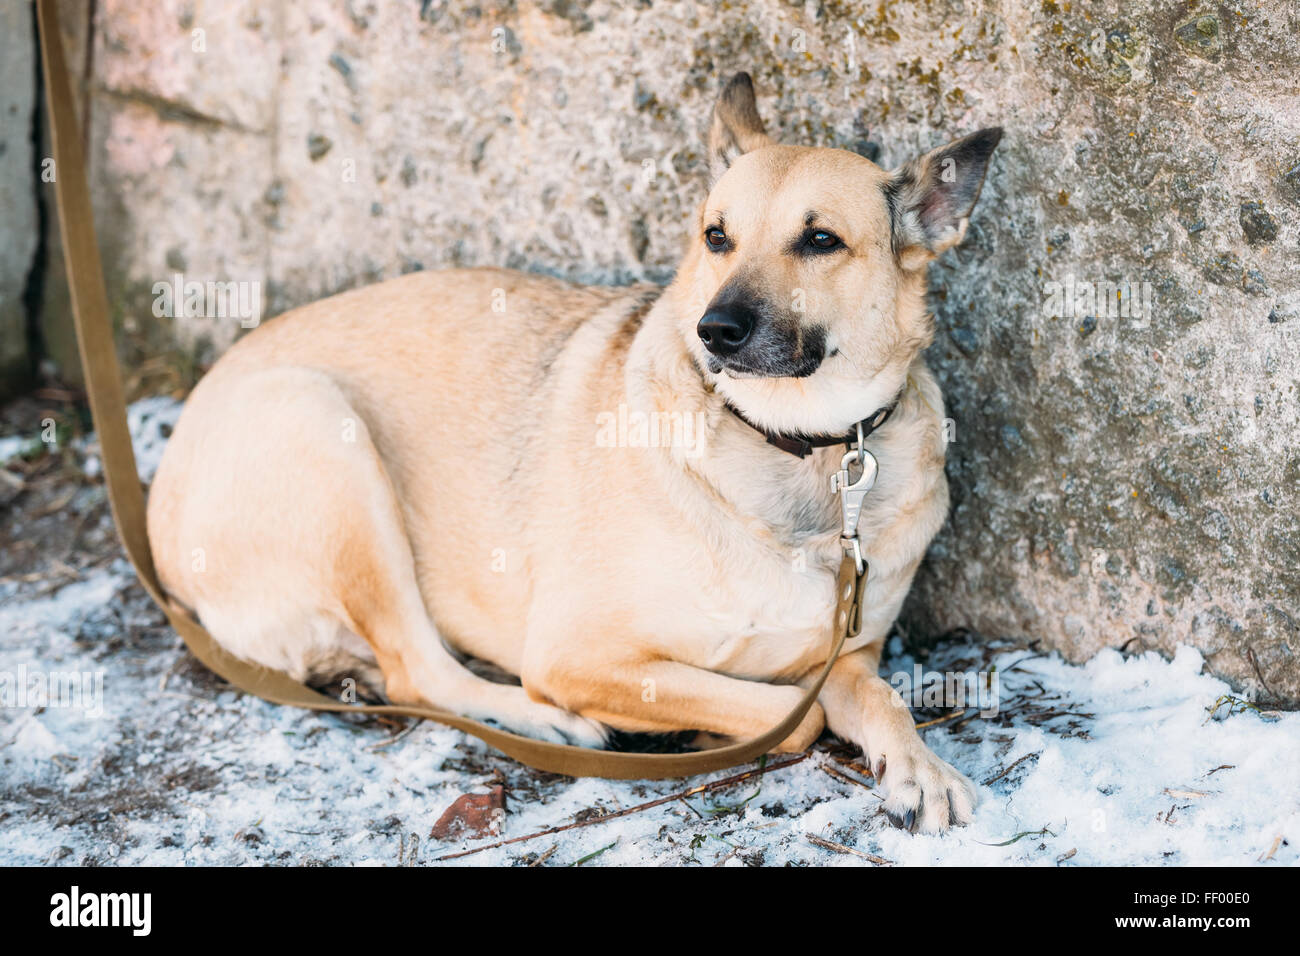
x: 789, y: 368
x: 774, y: 352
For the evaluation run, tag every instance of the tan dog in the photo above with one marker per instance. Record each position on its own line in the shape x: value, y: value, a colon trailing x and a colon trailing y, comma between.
x: 557, y: 479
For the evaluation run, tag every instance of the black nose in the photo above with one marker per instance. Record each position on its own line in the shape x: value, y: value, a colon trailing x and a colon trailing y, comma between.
x: 723, y: 331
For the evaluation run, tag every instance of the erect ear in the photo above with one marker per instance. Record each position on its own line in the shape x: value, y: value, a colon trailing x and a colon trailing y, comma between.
x: 736, y: 127
x: 930, y: 199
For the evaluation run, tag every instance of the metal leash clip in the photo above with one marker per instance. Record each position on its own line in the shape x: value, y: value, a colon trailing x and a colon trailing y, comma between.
x: 853, y: 492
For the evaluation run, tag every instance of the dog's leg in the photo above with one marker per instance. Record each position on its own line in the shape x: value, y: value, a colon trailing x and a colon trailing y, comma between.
x: 420, y: 670
x: 661, y: 696
x: 922, y: 792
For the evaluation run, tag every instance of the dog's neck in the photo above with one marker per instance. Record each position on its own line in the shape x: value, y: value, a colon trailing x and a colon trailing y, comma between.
x: 801, y: 446
x: 736, y: 461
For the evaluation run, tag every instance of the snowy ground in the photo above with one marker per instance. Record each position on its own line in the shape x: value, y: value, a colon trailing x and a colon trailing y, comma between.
x: 1121, y: 761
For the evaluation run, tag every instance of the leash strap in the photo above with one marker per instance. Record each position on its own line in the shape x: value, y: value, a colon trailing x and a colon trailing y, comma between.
x: 126, y: 497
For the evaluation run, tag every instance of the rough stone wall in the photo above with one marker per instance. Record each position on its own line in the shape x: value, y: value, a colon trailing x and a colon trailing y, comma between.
x: 1119, y: 480
x: 18, y: 210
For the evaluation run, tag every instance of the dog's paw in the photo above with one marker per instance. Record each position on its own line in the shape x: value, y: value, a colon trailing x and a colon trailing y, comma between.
x: 561, y: 727
x: 516, y: 712
x: 923, y: 794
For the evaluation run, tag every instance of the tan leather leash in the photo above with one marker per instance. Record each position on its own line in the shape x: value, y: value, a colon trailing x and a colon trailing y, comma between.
x: 126, y: 496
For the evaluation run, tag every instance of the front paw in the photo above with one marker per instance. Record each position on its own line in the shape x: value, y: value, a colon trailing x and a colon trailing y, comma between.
x: 923, y: 794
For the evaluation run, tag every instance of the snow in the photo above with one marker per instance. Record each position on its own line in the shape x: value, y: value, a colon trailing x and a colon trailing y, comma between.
x: 151, y: 421
x: 1117, y: 761
x: 12, y: 446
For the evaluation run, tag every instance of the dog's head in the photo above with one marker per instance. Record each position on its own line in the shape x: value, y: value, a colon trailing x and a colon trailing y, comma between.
x: 812, y: 264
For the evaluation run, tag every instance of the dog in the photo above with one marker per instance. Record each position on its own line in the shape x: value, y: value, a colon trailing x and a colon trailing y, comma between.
x: 464, y: 464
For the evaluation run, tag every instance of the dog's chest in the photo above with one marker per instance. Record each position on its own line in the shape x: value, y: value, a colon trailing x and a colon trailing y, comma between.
x: 766, y: 607
x: 769, y: 620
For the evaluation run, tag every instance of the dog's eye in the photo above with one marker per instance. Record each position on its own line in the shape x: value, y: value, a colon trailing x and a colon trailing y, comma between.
x: 821, y: 239
x: 715, y: 237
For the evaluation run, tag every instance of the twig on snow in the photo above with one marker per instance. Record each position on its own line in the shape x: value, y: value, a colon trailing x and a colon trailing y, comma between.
x: 941, y: 720
x: 545, y: 856
x: 841, y: 776
x: 681, y: 795
x: 1277, y: 842
x: 841, y: 848
x: 998, y: 776
x: 388, y: 742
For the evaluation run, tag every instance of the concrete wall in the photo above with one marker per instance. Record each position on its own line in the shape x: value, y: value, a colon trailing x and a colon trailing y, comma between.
x: 1118, y: 480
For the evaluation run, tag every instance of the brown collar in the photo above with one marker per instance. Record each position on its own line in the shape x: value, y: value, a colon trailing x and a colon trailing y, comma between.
x: 802, y: 445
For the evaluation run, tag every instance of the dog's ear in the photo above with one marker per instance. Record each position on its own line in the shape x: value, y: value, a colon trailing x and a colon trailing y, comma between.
x: 736, y: 126
x: 930, y: 199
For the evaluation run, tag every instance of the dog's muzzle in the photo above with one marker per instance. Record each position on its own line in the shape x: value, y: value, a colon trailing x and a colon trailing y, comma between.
x: 725, y: 330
